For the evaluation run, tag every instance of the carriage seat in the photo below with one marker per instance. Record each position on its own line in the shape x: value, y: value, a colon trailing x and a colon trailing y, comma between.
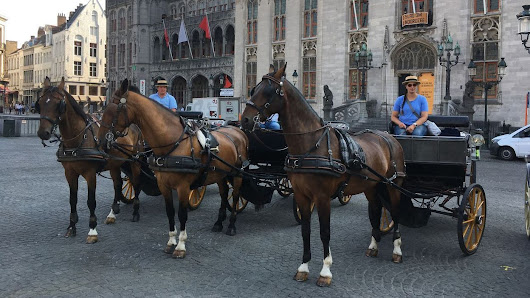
x: 190, y: 114
x: 447, y: 124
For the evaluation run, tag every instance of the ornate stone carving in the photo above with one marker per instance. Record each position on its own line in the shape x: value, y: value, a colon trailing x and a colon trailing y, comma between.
x: 356, y: 39
x: 309, y: 46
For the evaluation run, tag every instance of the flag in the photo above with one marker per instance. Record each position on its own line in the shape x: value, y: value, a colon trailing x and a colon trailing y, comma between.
x: 183, y: 36
x: 166, y: 37
x: 205, y: 26
x: 228, y: 84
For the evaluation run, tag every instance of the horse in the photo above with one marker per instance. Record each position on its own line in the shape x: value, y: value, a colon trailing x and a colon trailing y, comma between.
x: 316, y: 171
x: 175, y: 143
x: 80, y: 156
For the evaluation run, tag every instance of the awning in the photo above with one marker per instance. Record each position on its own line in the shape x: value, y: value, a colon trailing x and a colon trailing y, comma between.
x: 93, y: 98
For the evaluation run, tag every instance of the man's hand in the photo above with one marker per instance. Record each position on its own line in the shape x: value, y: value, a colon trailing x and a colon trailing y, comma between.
x: 411, y: 128
x: 402, y: 125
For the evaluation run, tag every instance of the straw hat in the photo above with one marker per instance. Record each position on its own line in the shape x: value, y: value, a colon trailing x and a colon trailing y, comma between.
x: 411, y: 79
x: 162, y: 83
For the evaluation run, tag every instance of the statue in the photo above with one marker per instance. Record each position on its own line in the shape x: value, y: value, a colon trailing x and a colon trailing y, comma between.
x: 328, y: 97
x: 468, y: 100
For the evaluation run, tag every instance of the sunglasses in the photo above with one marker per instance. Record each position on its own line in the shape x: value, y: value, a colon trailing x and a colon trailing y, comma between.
x: 411, y: 85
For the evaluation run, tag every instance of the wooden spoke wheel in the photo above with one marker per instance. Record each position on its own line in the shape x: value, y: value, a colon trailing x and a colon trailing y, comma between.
x: 296, y: 211
x: 196, y: 197
x: 241, y: 203
x: 345, y: 199
x: 386, y: 222
x: 127, y: 188
x: 284, y: 187
x: 527, y: 205
x: 471, y: 218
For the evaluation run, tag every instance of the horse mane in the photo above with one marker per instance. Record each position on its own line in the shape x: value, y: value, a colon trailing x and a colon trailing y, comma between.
x: 134, y: 89
x: 297, y: 92
x: 77, y: 108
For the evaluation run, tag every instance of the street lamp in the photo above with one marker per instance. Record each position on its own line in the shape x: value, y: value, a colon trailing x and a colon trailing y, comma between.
x: 501, y: 71
x: 295, y: 78
x: 524, y: 26
x: 363, y: 62
x: 448, y: 63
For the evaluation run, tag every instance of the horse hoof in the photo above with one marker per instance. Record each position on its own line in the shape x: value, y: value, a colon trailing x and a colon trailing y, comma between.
x: 217, y: 228
x: 301, y: 276
x: 231, y: 232
x: 91, y: 239
x: 136, y: 218
x: 70, y: 233
x: 179, y: 254
x: 169, y: 249
x: 110, y: 220
x: 324, y: 281
x: 116, y: 209
x: 124, y: 200
x: 397, y: 258
x: 372, y: 252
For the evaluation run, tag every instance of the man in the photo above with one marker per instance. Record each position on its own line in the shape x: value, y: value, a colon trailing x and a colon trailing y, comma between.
x: 162, y: 97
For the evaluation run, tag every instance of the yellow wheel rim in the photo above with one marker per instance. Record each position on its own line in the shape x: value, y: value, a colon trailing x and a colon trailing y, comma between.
x: 386, y: 223
x: 196, y: 197
x: 298, y: 210
x: 474, y: 219
x: 127, y: 189
x: 241, y: 203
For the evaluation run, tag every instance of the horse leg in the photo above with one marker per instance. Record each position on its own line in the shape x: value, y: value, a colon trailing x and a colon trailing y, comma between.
x: 235, y: 198
x: 304, y: 204
x: 395, y: 197
x: 221, y: 216
x: 374, y: 213
x: 73, y: 182
x: 91, y: 203
x: 135, y: 180
x: 324, y: 211
x: 170, y: 212
x: 115, y: 174
x: 180, y: 250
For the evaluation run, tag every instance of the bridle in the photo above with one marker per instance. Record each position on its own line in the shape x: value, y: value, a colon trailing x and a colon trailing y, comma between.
x: 61, y: 107
x: 278, y: 93
x: 113, y: 133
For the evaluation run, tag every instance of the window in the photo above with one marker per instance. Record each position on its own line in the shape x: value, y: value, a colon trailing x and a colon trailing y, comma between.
x: 279, y: 20
x: 102, y: 91
x: 252, y: 22
x: 112, y: 56
x: 278, y: 63
x: 310, y: 18
x: 81, y: 90
x: 72, y: 89
x: 77, y: 48
x: 420, y: 6
x: 121, y: 55
x: 129, y: 16
x: 485, y: 47
x: 93, y: 70
x: 309, y: 77
x: 93, y: 30
x: 359, y: 15
x: 201, y: 7
x: 355, y: 80
x: 92, y: 90
x: 491, y: 5
x: 121, y: 19
x: 77, y: 68
x: 251, y: 76
x: 113, y: 21
x: 129, y: 55
x: 93, y: 49
x: 223, y: 5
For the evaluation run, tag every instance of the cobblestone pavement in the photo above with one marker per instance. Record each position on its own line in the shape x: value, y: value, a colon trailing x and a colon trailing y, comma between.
x: 260, y: 261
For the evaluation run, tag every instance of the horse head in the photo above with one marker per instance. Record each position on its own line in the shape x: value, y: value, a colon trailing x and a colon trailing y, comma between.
x: 51, y: 106
x: 267, y: 98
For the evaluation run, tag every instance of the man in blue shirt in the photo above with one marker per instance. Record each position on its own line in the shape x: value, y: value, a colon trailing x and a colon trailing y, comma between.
x: 162, y: 97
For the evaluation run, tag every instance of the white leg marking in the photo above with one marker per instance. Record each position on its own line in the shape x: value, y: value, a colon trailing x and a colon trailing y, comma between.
x: 304, y: 267
x: 397, y: 247
x: 92, y: 232
x: 326, y: 272
x: 172, y: 238
x: 373, y: 244
x: 111, y: 214
x: 183, y: 236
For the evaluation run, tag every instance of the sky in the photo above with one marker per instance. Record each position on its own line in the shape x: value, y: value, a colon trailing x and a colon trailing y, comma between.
x: 24, y: 17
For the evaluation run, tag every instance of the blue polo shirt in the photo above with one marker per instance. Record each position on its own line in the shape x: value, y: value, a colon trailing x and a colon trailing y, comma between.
x: 167, y: 101
x: 419, y: 104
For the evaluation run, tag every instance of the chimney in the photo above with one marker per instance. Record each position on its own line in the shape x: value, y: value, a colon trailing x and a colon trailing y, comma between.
x: 40, y: 32
x: 61, y: 19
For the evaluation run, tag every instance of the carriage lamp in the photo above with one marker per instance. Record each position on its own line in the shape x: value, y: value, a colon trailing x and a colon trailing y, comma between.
x: 448, y: 63
x: 477, y: 140
x: 486, y: 85
x: 295, y: 77
x: 524, y: 26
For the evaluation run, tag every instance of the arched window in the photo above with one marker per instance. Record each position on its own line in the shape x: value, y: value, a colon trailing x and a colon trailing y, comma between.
x: 175, y: 46
x: 121, y: 19
x: 195, y: 44
x: 178, y: 90
x: 218, y: 42
x: 156, y: 50
x: 229, y: 41
x: 192, y: 8
x: 95, y: 18
x: 199, y: 88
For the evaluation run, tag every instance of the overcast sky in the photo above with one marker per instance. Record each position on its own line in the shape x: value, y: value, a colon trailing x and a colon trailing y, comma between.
x: 24, y: 17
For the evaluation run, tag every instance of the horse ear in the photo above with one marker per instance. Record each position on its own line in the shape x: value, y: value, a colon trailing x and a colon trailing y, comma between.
x: 61, y: 85
x: 281, y: 72
x: 46, y: 83
x: 124, y: 86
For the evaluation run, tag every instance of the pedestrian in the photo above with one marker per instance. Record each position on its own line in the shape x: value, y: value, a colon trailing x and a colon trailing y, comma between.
x: 410, y: 110
x: 10, y: 108
x: 162, y: 97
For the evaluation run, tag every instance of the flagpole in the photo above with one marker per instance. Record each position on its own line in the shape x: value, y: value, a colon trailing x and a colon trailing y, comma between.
x: 413, y: 6
x: 355, y: 14
x: 167, y: 43
x: 211, y: 39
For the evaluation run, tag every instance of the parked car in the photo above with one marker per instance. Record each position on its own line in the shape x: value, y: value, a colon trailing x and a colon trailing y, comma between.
x: 509, y: 146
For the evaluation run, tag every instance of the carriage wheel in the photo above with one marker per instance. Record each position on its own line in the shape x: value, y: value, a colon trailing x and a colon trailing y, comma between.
x: 284, y: 187
x: 296, y: 211
x: 241, y: 203
x: 386, y: 222
x: 196, y: 197
x: 345, y: 199
x: 471, y: 218
x: 527, y: 205
x: 127, y: 189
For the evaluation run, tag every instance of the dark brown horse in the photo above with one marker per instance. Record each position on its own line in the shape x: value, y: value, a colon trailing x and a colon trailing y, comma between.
x: 79, y: 154
x: 316, y: 171
x: 175, y: 143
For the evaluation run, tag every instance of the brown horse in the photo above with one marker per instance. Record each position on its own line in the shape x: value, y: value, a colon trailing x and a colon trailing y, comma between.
x: 316, y: 171
x: 79, y: 154
x: 174, y: 143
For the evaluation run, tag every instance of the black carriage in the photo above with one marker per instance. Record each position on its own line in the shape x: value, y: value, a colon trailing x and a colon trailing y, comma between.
x: 440, y: 168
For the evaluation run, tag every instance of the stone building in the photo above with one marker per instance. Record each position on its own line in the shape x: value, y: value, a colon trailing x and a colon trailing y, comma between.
x: 319, y: 39
x: 73, y: 49
x: 138, y: 50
